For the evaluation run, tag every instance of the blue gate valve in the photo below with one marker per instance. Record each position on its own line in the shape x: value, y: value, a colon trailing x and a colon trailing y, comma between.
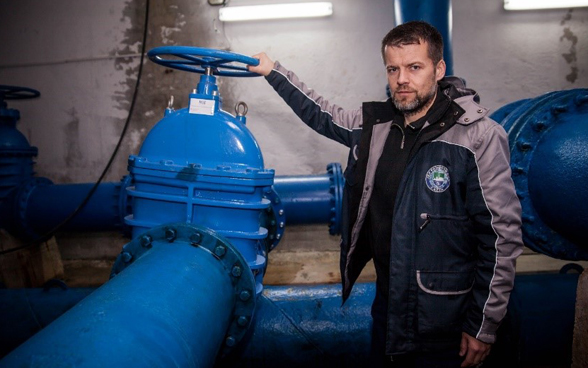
x: 16, y: 154
x: 201, y: 165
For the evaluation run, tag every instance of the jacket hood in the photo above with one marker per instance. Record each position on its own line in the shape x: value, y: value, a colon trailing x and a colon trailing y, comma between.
x: 455, y: 87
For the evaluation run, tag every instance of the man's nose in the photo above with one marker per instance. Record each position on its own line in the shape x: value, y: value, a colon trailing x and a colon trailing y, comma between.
x: 402, y: 77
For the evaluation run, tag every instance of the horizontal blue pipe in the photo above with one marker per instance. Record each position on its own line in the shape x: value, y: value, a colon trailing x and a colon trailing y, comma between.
x: 170, y: 307
x: 39, y: 209
x: 49, y: 205
x: 306, y: 326
x: 306, y: 199
x: 24, y: 312
x: 293, y: 325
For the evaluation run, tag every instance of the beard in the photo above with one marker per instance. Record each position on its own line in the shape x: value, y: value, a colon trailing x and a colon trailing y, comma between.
x: 417, y: 105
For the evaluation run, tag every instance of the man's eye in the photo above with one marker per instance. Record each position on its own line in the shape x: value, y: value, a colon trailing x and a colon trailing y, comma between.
x: 392, y: 70
x: 415, y: 67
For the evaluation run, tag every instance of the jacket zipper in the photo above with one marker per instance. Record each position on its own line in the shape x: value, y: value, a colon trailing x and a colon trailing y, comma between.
x: 402, y: 131
x: 427, y: 217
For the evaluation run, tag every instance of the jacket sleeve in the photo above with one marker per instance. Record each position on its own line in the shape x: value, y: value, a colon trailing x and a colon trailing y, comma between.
x: 496, y: 210
x: 330, y: 120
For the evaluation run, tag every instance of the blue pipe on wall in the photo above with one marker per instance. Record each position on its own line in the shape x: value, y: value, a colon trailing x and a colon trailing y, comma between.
x: 40, y: 206
x: 436, y: 12
x: 175, y: 301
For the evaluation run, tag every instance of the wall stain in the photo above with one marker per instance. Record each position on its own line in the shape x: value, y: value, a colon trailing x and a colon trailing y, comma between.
x: 171, y: 22
x: 570, y: 57
x: 73, y: 153
x: 567, y: 17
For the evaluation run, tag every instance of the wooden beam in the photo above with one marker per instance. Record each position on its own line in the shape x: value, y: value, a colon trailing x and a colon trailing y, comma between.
x: 31, y: 266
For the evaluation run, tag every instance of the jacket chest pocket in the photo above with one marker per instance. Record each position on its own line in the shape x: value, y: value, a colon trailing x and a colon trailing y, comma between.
x: 442, y: 301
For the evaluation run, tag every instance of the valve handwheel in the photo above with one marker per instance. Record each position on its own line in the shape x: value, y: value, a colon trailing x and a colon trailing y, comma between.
x: 199, y: 60
x: 17, y: 93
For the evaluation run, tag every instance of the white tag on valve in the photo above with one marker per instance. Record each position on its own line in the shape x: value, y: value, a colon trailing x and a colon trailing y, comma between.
x: 201, y: 107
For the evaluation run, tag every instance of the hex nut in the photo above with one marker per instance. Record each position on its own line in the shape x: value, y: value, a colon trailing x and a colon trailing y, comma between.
x: 196, y: 238
x: 220, y: 251
x: 170, y: 234
x: 244, y: 295
x: 146, y: 241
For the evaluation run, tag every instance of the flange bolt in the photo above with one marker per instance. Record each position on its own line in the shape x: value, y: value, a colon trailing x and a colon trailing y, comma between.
x: 196, y: 238
x: 245, y: 295
x: 126, y: 257
x: 236, y: 271
x: 146, y: 241
x: 220, y: 251
x: 242, y: 321
x: 170, y: 234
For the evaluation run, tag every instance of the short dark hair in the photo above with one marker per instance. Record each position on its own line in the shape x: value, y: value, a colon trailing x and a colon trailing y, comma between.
x: 412, y: 33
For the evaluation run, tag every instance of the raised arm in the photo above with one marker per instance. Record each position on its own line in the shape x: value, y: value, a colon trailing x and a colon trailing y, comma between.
x: 328, y: 119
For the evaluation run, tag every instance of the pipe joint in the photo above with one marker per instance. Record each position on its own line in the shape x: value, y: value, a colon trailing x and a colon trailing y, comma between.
x: 233, y: 263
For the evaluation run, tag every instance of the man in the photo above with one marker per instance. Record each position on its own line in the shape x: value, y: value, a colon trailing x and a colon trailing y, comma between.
x: 428, y: 196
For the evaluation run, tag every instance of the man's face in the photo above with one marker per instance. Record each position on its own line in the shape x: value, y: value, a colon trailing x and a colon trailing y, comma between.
x: 412, y: 77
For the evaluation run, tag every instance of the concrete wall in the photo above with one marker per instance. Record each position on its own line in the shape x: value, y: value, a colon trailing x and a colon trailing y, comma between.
x: 83, y: 56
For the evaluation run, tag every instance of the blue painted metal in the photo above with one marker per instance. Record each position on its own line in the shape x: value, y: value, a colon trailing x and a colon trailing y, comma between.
x: 306, y: 326
x: 198, y: 59
x: 539, y: 324
x: 202, y: 165
x: 39, y: 206
x: 548, y: 138
x: 273, y: 218
x: 16, y: 154
x: 24, y: 312
x: 436, y: 12
x: 313, y: 199
x: 180, y: 294
x: 293, y: 325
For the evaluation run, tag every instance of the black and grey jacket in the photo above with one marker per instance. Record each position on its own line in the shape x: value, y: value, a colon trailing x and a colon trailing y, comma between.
x: 456, y: 226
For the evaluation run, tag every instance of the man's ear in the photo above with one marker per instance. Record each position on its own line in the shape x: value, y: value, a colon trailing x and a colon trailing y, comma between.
x: 440, y: 69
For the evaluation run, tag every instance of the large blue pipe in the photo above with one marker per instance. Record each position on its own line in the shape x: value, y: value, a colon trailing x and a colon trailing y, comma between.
x: 436, y: 12
x: 306, y: 326
x: 173, y: 301
x: 549, y: 158
x: 293, y: 325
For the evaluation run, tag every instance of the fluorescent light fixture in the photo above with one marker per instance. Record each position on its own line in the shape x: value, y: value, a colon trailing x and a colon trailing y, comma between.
x: 275, y: 11
x: 543, y: 4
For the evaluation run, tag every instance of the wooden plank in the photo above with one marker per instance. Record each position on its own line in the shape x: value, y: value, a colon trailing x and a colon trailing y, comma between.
x: 87, y: 273
x: 311, y: 267
x: 31, y: 266
x: 295, y: 267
